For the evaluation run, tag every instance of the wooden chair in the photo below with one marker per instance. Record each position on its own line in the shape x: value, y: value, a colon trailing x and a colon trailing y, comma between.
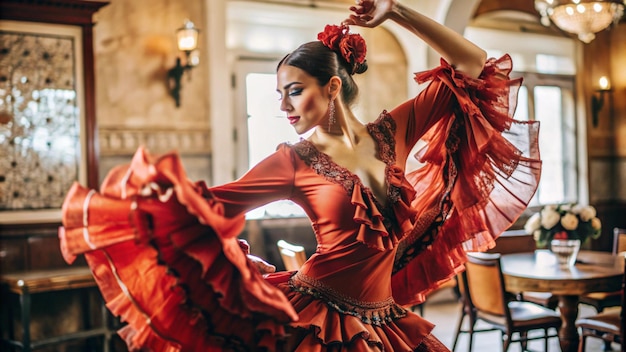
x: 602, y: 300
x: 489, y: 302
x: 546, y: 299
x: 619, y: 240
x: 467, y: 310
x: 293, y: 256
x: 608, y: 326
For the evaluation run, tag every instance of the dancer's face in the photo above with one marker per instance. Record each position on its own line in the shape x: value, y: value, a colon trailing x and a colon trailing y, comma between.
x: 302, y: 98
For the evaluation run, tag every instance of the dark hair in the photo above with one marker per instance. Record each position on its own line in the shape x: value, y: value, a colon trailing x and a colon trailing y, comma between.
x: 322, y: 63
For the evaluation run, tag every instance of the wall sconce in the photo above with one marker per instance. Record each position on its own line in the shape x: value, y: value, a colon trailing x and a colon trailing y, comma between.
x: 597, y: 100
x: 187, y: 41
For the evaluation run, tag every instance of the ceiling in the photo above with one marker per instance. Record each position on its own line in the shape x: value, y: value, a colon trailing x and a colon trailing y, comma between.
x: 526, y: 6
x: 510, y: 15
x: 485, y: 6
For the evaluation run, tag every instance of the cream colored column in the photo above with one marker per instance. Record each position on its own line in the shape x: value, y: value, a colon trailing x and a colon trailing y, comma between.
x: 220, y: 95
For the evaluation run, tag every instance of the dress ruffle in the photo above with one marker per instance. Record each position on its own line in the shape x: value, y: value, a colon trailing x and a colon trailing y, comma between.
x: 333, y: 325
x: 483, y: 164
x: 374, y: 230
x: 150, y: 227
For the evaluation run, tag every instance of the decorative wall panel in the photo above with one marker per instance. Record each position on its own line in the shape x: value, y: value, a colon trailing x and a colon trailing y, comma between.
x: 39, y: 119
x: 42, y: 118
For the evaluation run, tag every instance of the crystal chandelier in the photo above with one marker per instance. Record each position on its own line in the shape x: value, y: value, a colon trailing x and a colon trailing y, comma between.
x: 581, y: 17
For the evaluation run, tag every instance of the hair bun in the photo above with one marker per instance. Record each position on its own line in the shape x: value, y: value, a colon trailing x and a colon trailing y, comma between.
x: 359, y: 68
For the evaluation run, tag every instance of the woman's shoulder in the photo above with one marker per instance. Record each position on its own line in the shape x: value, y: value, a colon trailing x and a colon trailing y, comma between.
x: 304, y: 149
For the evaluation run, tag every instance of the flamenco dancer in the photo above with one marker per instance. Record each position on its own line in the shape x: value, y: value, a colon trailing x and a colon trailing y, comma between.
x: 165, y: 253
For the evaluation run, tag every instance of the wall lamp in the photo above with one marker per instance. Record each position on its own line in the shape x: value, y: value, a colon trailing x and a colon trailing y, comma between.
x: 187, y: 41
x: 597, y: 100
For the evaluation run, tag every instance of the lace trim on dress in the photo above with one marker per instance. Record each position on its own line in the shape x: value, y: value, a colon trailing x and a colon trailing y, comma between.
x: 409, y: 249
x: 382, y: 132
x: 333, y: 172
x: 373, y: 313
x: 428, y: 227
x: 324, y: 166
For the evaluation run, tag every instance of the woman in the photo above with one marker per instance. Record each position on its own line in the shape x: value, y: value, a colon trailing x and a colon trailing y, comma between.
x: 165, y: 253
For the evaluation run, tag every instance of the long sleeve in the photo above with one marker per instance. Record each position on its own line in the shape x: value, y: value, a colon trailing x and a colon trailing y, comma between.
x: 270, y: 180
x: 416, y: 116
x: 481, y: 169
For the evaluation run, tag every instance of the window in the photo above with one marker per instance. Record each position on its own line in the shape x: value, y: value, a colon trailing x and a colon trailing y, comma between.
x: 264, y: 127
x: 548, y: 66
x: 549, y: 99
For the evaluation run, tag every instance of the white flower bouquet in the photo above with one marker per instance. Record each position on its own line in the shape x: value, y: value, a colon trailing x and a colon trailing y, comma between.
x: 564, y: 221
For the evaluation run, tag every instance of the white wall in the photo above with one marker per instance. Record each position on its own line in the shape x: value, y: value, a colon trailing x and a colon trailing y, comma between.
x: 524, y: 55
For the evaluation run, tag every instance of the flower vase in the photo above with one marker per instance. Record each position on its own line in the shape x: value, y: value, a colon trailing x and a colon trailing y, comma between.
x: 565, y: 251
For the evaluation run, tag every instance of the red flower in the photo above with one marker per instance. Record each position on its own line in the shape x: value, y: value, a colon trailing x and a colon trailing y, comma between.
x: 331, y: 36
x: 353, y: 48
x: 562, y: 235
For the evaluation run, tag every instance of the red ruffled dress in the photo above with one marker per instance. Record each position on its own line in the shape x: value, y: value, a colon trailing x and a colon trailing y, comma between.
x: 165, y: 254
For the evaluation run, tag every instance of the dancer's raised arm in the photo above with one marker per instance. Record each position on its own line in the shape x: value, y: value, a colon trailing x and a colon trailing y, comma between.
x: 457, y: 50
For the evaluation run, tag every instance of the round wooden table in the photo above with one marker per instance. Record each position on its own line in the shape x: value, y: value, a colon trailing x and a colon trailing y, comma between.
x: 538, y: 271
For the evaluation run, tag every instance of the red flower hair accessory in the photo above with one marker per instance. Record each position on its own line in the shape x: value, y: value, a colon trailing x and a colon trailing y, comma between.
x: 351, y: 46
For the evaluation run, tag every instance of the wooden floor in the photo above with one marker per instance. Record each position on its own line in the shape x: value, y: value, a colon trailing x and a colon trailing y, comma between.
x: 444, y: 311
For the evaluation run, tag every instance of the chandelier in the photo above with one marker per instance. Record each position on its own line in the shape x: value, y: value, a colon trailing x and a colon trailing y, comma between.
x: 581, y: 17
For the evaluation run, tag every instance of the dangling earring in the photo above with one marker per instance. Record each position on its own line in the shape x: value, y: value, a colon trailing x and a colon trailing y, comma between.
x: 331, y: 114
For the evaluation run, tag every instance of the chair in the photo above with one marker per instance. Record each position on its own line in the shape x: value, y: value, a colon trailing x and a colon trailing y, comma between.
x: 467, y: 310
x: 546, y: 299
x: 488, y: 301
x: 619, y: 240
x: 601, y: 300
x: 608, y: 326
x: 293, y: 256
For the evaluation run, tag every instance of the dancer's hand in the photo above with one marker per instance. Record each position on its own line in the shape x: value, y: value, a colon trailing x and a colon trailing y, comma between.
x: 263, y: 266
x: 370, y: 13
